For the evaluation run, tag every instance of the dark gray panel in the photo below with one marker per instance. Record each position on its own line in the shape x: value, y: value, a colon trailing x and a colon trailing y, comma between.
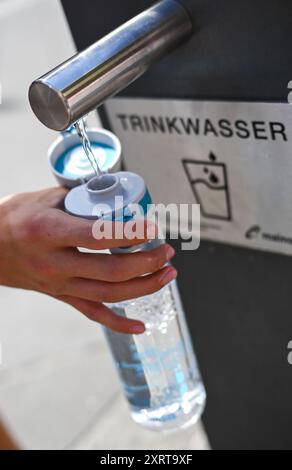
x: 238, y: 305
x: 239, y: 49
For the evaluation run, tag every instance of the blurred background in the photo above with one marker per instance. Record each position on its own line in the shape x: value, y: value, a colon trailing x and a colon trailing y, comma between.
x: 58, y: 386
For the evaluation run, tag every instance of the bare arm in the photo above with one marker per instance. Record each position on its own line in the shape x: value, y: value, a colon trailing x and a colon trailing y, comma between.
x: 6, y: 440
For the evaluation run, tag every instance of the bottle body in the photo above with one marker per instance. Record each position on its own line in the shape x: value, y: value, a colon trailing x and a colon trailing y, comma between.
x: 158, y: 369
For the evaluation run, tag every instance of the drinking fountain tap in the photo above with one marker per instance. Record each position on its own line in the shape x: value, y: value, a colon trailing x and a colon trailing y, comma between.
x: 82, y: 83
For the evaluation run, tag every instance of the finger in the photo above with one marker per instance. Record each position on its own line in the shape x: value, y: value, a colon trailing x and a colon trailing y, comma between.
x: 67, y: 230
x: 115, y: 292
x: 120, y: 267
x: 98, y: 312
x: 52, y: 197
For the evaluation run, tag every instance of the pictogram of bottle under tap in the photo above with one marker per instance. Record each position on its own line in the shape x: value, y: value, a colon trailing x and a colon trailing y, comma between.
x: 209, y: 183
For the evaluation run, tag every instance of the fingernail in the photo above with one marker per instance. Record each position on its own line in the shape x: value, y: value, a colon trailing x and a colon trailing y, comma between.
x: 170, y: 252
x: 168, y: 275
x: 138, y: 328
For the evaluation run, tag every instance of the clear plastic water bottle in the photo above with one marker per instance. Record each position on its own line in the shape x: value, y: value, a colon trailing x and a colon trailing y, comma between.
x: 158, y: 369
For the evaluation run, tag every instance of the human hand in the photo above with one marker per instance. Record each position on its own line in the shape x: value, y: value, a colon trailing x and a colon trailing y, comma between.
x: 38, y: 251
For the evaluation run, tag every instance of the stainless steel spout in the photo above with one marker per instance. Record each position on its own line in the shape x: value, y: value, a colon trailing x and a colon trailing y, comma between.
x: 73, y: 89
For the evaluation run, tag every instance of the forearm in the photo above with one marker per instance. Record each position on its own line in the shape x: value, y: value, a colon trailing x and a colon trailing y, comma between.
x: 6, y: 440
x: 6, y: 242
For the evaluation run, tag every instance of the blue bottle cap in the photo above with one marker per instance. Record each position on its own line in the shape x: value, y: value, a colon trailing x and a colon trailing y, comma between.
x: 69, y: 163
x: 109, y: 196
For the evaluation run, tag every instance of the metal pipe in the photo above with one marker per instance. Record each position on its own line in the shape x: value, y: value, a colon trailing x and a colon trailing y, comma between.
x: 73, y: 89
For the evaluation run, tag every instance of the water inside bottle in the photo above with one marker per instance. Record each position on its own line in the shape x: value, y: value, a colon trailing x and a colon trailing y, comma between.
x: 87, y: 147
x: 158, y: 369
